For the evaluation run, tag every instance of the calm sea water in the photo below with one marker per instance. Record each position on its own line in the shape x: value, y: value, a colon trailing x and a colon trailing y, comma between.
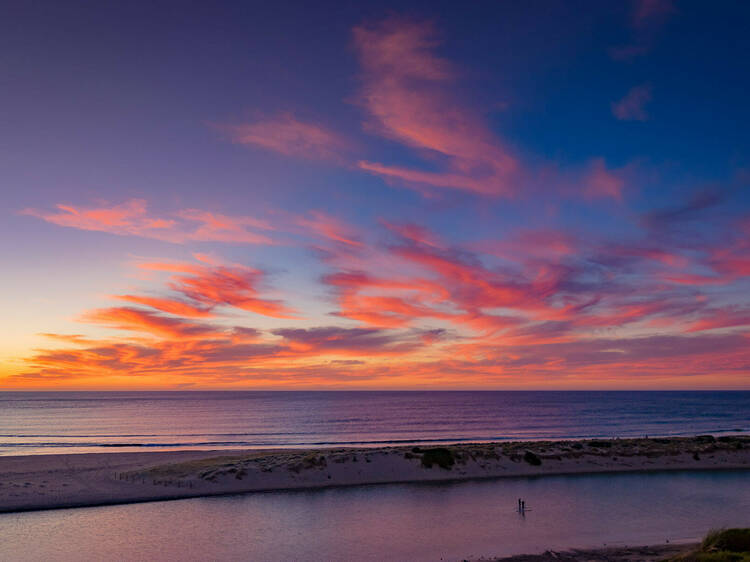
x: 49, y: 422
x: 394, y: 523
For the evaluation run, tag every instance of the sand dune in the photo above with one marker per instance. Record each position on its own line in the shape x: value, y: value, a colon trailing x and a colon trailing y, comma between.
x: 55, y: 481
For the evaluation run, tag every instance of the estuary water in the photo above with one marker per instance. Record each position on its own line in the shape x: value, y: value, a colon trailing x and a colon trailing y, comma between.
x: 394, y: 522
x: 77, y: 422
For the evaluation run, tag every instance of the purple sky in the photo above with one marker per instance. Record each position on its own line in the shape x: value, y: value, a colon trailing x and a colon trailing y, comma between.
x: 393, y: 195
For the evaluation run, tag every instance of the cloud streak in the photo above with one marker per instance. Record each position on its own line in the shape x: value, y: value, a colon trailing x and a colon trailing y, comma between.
x: 132, y: 218
x: 632, y: 107
x: 406, y: 90
x: 207, y: 287
x: 288, y: 135
x: 646, y: 18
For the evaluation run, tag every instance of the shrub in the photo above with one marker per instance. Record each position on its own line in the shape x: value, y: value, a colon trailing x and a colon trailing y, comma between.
x: 604, y: 444
x: 532, y: 459
x: 440, y: 456
x: 733, y: 540
x: 721, y: 545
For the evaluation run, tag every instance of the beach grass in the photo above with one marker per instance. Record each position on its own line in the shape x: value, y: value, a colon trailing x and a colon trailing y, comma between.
x: 720, y: 545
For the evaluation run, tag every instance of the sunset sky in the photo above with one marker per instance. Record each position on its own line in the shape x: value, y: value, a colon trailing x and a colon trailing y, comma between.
x: 395, y: 195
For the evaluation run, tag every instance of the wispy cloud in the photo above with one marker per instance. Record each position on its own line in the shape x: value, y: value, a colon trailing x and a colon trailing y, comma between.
x: 146, y: 321
x: 209, y: 286
x: 354, y: 341
x: 646, y: 17
x: 632, y: 107
x: 650, y: 12
x: 183, y: 226
x: 288, y: 135
x: 325, y: 226
x: 132, y: 218
x: 600, y: 181
x: 559, y: 305
x: 695, y: 208
x: 406, y: 90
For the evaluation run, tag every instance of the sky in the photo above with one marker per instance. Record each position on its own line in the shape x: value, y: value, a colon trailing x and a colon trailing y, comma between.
x: 390, y: 195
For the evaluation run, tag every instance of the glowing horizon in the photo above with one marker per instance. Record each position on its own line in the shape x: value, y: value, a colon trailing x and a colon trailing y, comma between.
x: 402, y: 205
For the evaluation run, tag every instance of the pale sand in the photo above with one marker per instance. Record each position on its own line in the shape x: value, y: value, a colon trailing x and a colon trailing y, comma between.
x: 73, y: 480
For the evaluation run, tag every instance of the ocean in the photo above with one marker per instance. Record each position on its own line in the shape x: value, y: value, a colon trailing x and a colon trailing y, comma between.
x: 77, y: 422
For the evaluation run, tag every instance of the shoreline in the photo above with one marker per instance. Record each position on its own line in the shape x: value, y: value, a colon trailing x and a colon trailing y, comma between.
x: 645, y: 553
x: 56, y: 481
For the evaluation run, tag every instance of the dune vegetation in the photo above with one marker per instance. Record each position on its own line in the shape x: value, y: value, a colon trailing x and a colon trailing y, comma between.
x: 720, y: 545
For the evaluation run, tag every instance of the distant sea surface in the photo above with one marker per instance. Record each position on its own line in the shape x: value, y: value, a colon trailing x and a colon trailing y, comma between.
x: 78, y: 422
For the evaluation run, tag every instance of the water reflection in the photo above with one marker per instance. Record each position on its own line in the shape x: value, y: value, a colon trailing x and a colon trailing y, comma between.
x: 397, y: 522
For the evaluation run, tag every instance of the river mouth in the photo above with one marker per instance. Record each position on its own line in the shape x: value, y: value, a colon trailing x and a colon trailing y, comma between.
x: 449, y: 521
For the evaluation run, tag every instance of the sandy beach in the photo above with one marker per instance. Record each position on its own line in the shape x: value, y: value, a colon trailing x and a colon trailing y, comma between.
x: 38, y: 482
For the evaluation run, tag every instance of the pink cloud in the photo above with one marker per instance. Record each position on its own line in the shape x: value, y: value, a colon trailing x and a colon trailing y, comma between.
x: 632, y: 106
x: 532, y: 244
x: 602, y: 182
x: 129, y: 218
x: 328, y: 227
x: 649, y: 12
x: 289, y: 136
x: 552, y: 286
x: 667, y: 256
x: 415, y: 233
x: 406, y: 91
x: 721, y: 318
x: 646, y: 17
x: 215, y: 227
x: 386, y: 302
x: 721, y: 263
x: 560, y: 307
x: 132, y: 218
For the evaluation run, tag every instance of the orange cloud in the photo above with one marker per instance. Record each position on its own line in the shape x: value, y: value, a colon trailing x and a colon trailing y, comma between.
x: 370, y: 342
x: 538, y: 307
x: 211, y: 286
x: 144, y: 321
x: 171, y: 306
